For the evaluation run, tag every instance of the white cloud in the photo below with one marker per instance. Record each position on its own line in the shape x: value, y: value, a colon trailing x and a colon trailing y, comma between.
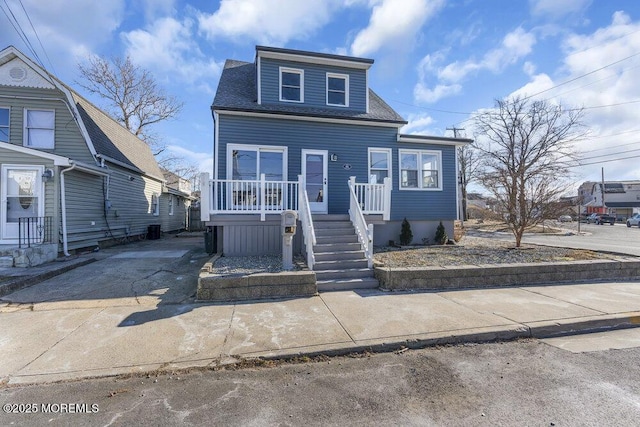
x: 203, y: 161
x: 392, y: 26
x: 556, y: 9
x: 418, y: 124
x: 271, y: 22
x: 422, y: 93
x: 167, y: 47
x: 157, y: 8
x: 515, y: 45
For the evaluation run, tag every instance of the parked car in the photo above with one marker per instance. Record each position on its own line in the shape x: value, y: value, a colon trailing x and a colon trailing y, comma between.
x: 565, y: 218
x: 598, y: 218
x: 634, y: 220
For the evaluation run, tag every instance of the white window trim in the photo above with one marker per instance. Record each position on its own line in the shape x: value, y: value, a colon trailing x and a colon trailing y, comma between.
x: 258, y: 148
x: 419, y: 153
x: 2, y: 107
x: 345, y: 77
x: 155, y: 210
x: 387, y: 151
x: 170, y: 204
x: 25, y: 138
x: 293, y: 71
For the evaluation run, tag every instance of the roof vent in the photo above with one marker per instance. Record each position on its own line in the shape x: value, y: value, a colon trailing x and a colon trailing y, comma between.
x: 18, y: 74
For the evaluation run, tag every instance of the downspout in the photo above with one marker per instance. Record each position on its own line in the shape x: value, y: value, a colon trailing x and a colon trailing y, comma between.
x: 63, y: 207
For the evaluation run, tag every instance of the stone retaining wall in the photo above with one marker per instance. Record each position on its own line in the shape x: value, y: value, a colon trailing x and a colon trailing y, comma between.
x: 216, y: 287
x: 492, y: 275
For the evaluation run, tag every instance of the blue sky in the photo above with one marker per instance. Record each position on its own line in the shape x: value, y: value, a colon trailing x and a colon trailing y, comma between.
x: 437, y: 62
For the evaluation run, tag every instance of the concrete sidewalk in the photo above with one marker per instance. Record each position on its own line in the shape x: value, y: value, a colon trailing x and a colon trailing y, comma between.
x: 133, y: 311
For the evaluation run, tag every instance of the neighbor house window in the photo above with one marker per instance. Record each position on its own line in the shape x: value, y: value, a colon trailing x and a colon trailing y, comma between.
x: 170, y: 205
x: 379, y: 164
x: 291, y: 85
x: 155, y: 205
x: 39, y: 128
x: 4, y: 124
x: 420, y: 170
x: 338, y: 89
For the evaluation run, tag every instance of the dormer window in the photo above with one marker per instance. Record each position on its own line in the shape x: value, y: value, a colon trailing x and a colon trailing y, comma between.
x: 338, y: 90
x: 291, y: 85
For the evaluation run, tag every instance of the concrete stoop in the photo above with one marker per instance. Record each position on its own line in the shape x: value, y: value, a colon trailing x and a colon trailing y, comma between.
x: 486, y: 276
x: 28, y: 257
x: 242, y: 287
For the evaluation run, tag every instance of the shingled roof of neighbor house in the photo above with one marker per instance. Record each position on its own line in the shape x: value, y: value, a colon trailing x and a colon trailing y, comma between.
x: 237, y: 92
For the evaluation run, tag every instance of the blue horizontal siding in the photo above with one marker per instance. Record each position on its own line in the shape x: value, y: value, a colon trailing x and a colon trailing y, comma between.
x: 350, y: 143
x: 315, y: 84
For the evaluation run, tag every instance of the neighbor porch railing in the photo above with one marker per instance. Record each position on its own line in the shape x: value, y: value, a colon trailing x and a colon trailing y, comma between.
x: 34, y: 231
x: 234, y: 196
x: 364, y: 231
x: 306, y: 222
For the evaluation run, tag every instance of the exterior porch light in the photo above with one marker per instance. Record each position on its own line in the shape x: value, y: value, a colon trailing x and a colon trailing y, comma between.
x: 334, y: 157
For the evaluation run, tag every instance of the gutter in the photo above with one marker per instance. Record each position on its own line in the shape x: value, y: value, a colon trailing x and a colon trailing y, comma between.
x: 63, y: 199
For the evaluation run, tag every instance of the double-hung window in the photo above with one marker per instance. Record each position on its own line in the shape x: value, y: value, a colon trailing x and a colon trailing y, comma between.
x: 338, y: 89
x: 170, y: 204
x: 155, y: 204
x: 4, y: 124
x: 420, y: 170
x: 379, y: 165
x: 39, y: 128
x: 291, y: 85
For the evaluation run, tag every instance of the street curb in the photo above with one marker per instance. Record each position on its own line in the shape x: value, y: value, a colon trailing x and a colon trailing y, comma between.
x: 555, y: 328
x: 21, y: 282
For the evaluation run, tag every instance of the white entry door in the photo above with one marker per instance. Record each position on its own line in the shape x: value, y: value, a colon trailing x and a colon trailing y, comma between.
x: 314, y: 170
x: 21, y: 196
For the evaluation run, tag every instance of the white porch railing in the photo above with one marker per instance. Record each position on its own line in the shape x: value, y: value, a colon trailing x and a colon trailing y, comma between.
x: 234, y: 196
x: 373, y: 198
x: 306, y: 222
x: 364, y: 232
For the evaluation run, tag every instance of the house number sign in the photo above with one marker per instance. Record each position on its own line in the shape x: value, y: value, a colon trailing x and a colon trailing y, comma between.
x: 346, y: 166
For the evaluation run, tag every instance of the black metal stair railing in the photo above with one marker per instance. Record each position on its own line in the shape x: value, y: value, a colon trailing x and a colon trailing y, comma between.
x: 34, y: 231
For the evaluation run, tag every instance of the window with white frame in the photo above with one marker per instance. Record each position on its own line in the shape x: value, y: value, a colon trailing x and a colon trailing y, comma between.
x: 338, y: 89
x: 420, y: 169
x: 291, y: 85
x: 4, y: 124
x: 155, y: 205
x: 39, y: 128
x: 379, y: 164
x: 170, y: 204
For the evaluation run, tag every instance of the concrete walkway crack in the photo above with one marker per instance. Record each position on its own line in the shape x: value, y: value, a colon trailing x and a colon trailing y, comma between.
x: 59, y: 341
x: 346, y: 331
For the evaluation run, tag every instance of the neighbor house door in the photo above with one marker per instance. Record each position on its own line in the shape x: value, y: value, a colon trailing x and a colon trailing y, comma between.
x: 314, y: 170
x: 21, y: 196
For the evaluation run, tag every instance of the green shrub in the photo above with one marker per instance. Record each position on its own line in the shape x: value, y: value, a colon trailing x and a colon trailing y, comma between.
x: 406, y: 236
x: 441, y: 234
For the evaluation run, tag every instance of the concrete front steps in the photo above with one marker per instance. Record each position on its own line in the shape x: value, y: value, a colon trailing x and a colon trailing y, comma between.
x: 340, y: 261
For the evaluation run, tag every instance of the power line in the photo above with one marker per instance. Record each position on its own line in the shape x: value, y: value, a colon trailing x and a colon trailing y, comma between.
x: 37, y: 37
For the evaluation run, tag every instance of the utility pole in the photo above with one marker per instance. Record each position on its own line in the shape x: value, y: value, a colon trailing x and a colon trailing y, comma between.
x: 603, y: 208
x: 462, y: 176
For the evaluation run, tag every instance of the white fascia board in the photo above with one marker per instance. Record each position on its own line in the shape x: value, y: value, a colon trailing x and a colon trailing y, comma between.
x: 309, y: 118
x: 334, y: 62
x: 434, y: 140
x: 216, y: 140
x: 90, y: 169
x: 57, y: 160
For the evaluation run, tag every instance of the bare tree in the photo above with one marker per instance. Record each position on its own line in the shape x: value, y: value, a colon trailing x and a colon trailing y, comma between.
x: 135, y: 98
x: 526, y: 150
x: 469, y: 164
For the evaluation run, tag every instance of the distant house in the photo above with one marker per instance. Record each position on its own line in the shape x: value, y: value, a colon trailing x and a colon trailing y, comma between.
x: 621, y: 198
x: 71, y: 177
x: 175, y: 202
x: 302, y: 131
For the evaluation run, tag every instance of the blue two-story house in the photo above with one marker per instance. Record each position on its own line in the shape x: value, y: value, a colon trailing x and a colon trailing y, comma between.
x: 302, y: 131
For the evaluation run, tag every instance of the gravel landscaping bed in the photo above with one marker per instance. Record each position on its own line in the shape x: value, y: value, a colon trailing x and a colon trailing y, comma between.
x: 249, y: 265
x: 477, y: 250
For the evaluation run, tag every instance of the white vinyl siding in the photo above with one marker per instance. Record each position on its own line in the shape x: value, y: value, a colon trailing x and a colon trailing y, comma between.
x: 39, y: 128
x: 291, y: 85
x: 338, y: 90
x: 420, y: 169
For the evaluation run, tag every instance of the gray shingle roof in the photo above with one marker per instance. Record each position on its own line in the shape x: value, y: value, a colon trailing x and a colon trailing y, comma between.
x: 113, y: 140
x: 237, y: 92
